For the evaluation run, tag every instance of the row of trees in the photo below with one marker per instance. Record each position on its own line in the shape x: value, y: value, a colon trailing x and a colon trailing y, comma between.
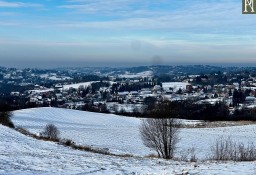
x: 197, y: 111
x: 191, y: 110
x: 188, y: 110
x: 117, y: 87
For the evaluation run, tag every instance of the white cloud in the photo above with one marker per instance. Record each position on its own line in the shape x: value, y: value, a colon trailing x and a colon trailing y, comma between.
x: 120, y: 8
x: 201, y: 16
x: 98, y: 5
x: 5, y: 4
x: 114, y: 29
x: 2, y: 23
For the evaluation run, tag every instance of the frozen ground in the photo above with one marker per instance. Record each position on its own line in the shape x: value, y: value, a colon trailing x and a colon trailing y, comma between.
x: 117, y: 133
x: 24, y: 155
x: 121, y: 134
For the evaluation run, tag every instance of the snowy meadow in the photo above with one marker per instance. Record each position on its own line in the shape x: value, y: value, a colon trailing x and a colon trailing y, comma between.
x: 118, y: 134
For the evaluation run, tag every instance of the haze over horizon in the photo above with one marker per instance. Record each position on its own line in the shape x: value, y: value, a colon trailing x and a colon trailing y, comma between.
x: 51, y: 33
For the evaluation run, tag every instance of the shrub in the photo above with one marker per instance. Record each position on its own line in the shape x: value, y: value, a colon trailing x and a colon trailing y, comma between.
x: 69, y: 142
x: 227, y: 149
x: 5, y: 119
x: 187, y: 155
x: 51, y: 131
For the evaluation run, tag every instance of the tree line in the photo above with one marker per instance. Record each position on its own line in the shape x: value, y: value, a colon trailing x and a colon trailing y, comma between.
x: 188, y: 109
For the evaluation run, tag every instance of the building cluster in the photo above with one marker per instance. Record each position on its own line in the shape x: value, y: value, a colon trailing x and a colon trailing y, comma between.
x: 128, y: 92
x: 75, y: 96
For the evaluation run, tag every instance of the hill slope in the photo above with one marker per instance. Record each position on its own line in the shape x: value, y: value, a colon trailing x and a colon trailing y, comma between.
x: 20, y: 154
x: 117, y: 133
x: 121, y: 134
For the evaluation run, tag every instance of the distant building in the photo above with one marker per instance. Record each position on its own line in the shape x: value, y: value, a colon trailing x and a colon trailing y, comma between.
x: 176, y: 86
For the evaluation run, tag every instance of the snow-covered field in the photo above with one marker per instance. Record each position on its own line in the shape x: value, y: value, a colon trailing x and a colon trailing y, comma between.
x: 20, y: 154
x: 119, y: 134
x: 137, y: 75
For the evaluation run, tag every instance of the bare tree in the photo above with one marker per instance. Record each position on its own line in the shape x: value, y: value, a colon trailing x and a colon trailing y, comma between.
x: 51, y: 131
x: 160, y: 135
x: 160, y: 132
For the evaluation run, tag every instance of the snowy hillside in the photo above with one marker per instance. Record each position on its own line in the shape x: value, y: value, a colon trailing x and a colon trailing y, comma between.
x: 23, y: 155
x: 121, y: 134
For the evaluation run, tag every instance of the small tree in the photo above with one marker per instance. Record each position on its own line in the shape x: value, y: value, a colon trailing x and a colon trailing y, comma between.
x: 161, y: 131
x: 51, y: 131
x: 5, y: 119
x: 160, y: 135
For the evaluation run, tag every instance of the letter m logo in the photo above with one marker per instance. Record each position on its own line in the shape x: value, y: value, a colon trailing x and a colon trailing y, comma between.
x: 249, y: 6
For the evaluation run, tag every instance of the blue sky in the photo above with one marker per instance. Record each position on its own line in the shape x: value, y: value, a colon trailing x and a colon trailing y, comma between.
x: 51, y: 33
